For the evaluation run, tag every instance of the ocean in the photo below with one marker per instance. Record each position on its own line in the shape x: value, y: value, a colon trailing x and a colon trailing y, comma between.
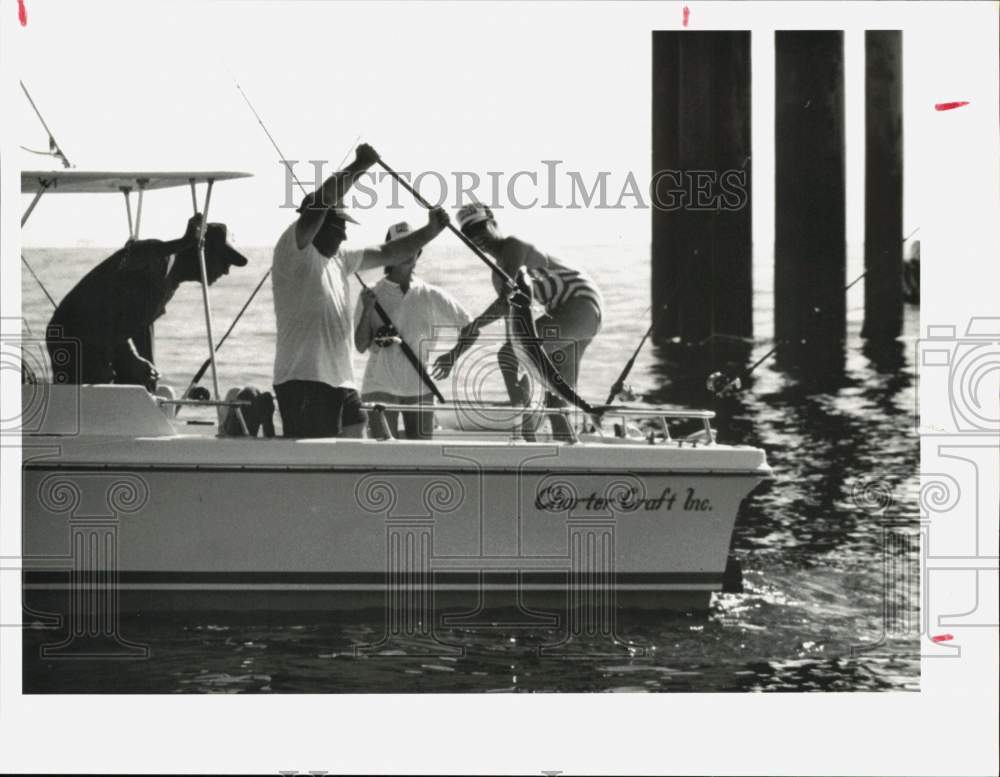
x: 812, y: 543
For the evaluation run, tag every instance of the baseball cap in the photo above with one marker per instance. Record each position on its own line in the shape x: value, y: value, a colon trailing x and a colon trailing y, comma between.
x: 397, y: 231
x: 217, y: 245
x: 476, y: 213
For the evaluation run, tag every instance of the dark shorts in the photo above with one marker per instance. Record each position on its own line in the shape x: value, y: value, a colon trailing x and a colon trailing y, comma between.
x: 312, y: 409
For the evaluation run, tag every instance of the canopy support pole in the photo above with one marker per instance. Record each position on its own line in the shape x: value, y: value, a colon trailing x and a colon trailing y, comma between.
x: 141, y: 185
x: 205, y: 297
x: 204, y: 279
x: 126, y: 190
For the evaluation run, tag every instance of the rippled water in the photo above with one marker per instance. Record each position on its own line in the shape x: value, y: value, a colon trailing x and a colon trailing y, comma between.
x: 844, y: 450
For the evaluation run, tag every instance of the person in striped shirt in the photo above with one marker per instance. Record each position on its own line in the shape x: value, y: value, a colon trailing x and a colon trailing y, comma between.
x: 570, y: 297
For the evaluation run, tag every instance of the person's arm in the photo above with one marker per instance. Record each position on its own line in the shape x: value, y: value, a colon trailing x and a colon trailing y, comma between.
x: 330, y: 194
x: 396, y: 251
x: 512, y: 254
x: 153, y: 250
x: 139, y: 369
x: 364, y: 332
x: 468, y: 336
x: 497, y: 309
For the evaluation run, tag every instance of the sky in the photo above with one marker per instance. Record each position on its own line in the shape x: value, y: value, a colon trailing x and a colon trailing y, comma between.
x: 434, y: 87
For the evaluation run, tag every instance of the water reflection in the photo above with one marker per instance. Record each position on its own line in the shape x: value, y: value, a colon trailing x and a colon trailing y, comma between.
x: 831, y: 416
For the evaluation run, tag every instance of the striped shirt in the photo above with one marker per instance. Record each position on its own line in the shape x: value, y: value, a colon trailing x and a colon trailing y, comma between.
x: 553, y: 284
x: 556, y: 285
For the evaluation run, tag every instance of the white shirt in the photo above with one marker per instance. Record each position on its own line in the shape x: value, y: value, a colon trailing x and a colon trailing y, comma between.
x: 420, y: 315
x: 312, y: 308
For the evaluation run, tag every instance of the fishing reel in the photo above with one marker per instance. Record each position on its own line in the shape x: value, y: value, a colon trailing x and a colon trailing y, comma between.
x: 627, y: 394
x: 721, y: 386
x: 199, y: 394
x: 387, y: 336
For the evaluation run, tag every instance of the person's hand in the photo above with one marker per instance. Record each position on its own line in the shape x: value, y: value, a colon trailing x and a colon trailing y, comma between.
x: 365, y: 155
x: 193, y: 231
x: 438, y: 219
x: 367, y: 299
x: 146, y: 371
x: 443, y: 365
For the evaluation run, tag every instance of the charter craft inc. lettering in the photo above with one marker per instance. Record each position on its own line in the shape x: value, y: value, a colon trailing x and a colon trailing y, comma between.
x: 559, y: 498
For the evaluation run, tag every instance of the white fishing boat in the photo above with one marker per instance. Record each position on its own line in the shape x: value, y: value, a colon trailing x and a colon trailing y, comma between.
x: 129, y: 507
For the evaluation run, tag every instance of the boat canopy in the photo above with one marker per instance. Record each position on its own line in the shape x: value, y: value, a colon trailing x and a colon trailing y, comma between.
x: 98, y: 181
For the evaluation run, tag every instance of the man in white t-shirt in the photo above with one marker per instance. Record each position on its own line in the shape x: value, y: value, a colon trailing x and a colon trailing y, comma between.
x: 313, y: 375
x: 417, y: 310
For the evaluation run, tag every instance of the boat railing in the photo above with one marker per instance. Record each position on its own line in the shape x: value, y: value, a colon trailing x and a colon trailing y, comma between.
x: 508, y: 417
x: 664, y: 416
x: 205, y: 402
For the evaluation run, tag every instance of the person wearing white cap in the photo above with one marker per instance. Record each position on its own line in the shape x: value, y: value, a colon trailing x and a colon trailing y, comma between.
x: 313, y: 375
x: 570, y: 297
x: 418, y: 310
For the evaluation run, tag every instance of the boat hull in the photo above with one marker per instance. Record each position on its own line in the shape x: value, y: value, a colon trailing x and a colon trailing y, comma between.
x: 144, y: 518
x: 524, y: 525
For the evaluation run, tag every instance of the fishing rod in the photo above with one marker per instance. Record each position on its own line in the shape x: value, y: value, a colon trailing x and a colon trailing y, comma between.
x: 407, y: 351
x: 520, y: 304
x: 270, y: 137
x: 719, y: 384
x: 54, y: 149
x: 205, y: 365
x: 619, y: 383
